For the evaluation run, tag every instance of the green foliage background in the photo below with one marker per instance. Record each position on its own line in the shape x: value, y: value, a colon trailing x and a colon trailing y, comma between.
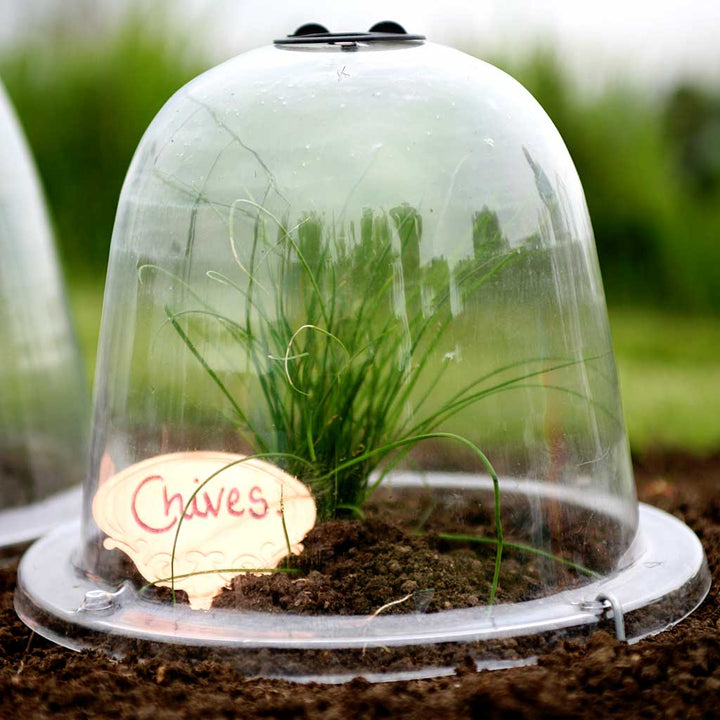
x: 84, y: 105
x: 650, y: 167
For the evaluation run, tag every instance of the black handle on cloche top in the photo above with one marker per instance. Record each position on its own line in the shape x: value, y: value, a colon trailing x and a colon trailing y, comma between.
x: 314, y: 34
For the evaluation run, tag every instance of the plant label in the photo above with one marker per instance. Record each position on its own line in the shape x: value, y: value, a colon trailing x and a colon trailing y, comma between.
x: 202, y: 518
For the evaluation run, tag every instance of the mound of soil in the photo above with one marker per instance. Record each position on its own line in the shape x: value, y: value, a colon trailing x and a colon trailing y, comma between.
x: 355, y: 567
x: 674, y: 674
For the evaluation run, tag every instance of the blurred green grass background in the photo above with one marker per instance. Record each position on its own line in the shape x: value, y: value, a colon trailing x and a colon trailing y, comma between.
x: 650, y: 166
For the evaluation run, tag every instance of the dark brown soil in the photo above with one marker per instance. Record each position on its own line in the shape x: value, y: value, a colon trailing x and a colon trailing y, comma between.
x: 354, y: 567
x: 675, y: 674
x: 26, y: 477
x: 15, y: 479
x: 399, y: 559
x: 347, y: 565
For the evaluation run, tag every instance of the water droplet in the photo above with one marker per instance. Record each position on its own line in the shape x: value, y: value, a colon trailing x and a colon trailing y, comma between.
x: 489, y: 141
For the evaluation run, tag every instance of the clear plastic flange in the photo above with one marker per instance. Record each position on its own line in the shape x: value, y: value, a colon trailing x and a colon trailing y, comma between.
x: 666, y: 579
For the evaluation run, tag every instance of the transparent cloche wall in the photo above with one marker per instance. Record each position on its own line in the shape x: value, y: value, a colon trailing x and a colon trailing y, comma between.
x: 43, y: 411
x: 356, y: 408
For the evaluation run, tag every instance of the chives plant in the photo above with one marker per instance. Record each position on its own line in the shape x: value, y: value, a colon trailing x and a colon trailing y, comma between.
x: 344, y: 364
x: 346, y: 360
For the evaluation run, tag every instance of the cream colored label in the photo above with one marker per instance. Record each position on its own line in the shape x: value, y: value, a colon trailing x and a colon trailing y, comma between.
x: 232, y: 524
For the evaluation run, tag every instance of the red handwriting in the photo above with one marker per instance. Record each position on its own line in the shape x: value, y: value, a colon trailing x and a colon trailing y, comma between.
x: 152, y: 492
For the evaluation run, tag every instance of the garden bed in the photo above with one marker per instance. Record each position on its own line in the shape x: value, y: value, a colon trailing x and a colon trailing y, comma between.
x: 673, y: 674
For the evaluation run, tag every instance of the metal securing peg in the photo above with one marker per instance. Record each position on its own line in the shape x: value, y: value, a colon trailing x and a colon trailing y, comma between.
x: 610, y: 602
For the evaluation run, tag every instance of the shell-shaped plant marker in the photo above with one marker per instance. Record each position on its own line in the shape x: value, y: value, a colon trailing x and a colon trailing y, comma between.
x: 192, y: 521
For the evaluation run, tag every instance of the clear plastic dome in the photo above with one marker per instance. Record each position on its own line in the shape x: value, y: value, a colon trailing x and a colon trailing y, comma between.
x: 355, y: 386
x: 43, y: 405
